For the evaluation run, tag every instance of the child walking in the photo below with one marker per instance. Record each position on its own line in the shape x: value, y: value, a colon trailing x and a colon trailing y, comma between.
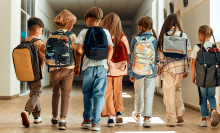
x: 35, y: 27
x: 144, y: 85
x: 113, y: 95
x: 96, y: 44
x: 62, y: 77
x: 173, y: 70
x: 204, y: 34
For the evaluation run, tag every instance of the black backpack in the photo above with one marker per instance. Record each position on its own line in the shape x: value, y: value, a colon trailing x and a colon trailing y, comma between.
x: 95, y: 44
x: 59, y: 51
x: 26, y: 63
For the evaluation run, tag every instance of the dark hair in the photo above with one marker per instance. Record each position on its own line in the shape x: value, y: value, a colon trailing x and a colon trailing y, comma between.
x: 33, y: 21
x: 206, y: 31
x: 112, y: 23
x: 147, y: 24
x: 170, y: 21
x: 94, y: 13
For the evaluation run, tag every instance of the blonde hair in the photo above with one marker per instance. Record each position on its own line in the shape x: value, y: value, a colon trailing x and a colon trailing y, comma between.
x: 112, y: 23
x: 63, y: 18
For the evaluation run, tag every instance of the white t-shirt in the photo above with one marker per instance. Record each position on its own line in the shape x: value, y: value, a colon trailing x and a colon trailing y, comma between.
x: 196, y: 49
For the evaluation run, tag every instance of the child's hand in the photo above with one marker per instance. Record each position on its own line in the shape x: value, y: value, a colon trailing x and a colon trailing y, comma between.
x: 185, y: 75
x: 158, y: 71
x: 132, y: 79
x: 77, y: 71
x: 194, y: 79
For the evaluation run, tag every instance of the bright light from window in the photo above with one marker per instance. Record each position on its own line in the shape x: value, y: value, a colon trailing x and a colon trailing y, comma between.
x: 154, y: 120
x: 124, y: 94
x: 149, y: 132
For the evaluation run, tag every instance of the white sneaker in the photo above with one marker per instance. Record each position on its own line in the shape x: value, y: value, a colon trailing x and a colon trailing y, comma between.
x: 37, y: 120
x: 25, y: 118
x: 214, y: 118
x: 147, y: 123
x: 202, y: 123
x: 137, y: 119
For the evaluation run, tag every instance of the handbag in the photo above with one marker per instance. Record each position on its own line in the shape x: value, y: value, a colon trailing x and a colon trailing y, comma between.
x: 207, y: 69
x: 118, y: 69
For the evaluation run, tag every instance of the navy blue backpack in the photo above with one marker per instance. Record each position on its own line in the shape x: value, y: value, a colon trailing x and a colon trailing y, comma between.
x: 95, y: 44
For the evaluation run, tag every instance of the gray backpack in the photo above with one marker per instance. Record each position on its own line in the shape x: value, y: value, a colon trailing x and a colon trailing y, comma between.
x: 175, y: 46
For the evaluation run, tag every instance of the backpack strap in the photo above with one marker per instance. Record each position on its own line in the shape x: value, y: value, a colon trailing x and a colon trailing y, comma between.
x: 166, y: 34
x: 181, y: 34
x: 68, y: 33
x: 151, y: 39
x: 199, y: 45
x: 35, y: 39
x: 137, y: 38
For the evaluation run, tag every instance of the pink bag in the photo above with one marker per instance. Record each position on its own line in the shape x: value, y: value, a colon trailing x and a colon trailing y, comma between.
x: 118, y: 69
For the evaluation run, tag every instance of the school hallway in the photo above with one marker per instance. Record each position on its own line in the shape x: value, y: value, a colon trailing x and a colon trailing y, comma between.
x: 10, y: 119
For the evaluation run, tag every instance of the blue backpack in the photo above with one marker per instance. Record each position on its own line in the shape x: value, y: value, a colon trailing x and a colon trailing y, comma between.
x: 95, y: 44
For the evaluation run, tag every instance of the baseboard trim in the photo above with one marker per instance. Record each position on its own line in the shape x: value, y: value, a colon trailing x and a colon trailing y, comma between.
x: 188, y: 105
x: 9, y: 97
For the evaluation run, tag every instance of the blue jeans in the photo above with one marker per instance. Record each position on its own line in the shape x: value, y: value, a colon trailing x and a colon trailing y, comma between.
x: 207, y: 93
x: 93, y: 88
x: 144, y: 96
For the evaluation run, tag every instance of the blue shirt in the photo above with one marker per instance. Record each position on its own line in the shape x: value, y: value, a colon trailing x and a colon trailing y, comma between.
x: 133, y: 41
x: 86, y: 61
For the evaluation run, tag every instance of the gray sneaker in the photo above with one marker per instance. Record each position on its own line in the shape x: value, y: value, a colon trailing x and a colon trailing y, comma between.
x: 54, y: 121
x: 86, y: 124
x: 214, y: 118
x: 62, y: 124
x: 95, y: 127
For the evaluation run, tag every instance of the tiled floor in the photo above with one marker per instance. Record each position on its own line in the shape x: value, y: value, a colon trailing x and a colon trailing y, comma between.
x: 10, y: 120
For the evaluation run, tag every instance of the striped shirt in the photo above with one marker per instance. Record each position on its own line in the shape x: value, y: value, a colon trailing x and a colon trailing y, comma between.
x: 175, y: 65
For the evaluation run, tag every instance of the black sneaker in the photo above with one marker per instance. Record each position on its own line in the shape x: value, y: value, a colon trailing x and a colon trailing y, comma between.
x: 54, y: 121
x: 86, y: 124
x: 62, y: 124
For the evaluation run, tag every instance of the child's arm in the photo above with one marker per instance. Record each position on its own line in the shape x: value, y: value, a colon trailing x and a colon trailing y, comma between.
x: 110, y: 53
x: 80, y: 48
x: 130, y: 72
x: 193, y: 70
x: 78, y: 63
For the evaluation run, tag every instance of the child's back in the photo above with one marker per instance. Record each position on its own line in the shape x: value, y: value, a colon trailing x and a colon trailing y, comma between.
x: 94, y: 71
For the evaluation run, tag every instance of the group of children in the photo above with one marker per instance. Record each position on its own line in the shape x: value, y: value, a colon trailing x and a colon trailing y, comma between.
x: 102, y: 94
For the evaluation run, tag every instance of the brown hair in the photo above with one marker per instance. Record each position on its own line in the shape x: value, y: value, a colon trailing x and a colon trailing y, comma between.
x: 206, y: 31
x: 63, y: 18
x: 94, y: 13
x: 112, y: 23
x: 33, y: 21
x: 147, y: 24
x: 170, y: 21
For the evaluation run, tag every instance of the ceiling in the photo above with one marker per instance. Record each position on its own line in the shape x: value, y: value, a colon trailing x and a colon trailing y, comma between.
x: 126, y: 9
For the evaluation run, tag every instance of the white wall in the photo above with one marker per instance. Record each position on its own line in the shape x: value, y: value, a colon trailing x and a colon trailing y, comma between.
x: 10, y: 12
x: 44, y: 11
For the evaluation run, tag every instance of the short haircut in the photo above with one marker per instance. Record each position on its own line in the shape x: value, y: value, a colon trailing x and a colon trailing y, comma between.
x: 94, y: 13
x: 33, y: 21
x: 63, y: 18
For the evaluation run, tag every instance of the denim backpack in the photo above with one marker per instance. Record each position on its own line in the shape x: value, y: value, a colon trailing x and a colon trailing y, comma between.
x: 59, y: 51
x: 95, y: 44
x: 143, y: 56
x: 175, y: 46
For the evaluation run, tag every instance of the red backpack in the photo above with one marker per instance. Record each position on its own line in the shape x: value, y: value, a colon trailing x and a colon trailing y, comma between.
x: 119, y: 66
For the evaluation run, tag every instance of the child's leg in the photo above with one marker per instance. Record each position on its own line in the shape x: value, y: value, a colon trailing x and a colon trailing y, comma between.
x: 87, y: 89
x: 180, y: 109
x: 211, y: 98
x: 118, y: 103
x: 139, y: 96
x: 66, y: 85
x: 35, y: 92
x: 149, y: 87
x: 109, y: 109
x: 99, y: 88
x: 169, y: 97
x: 203, y: 107
x: 56, y: 76
x: 37, y: 109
